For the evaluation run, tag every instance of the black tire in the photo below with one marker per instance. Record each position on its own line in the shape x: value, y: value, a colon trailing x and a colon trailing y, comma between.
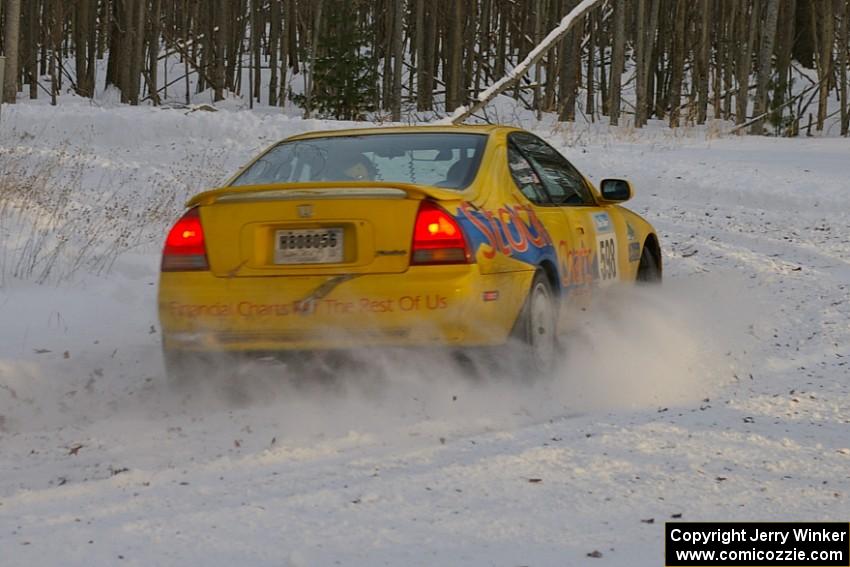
x: 648, y: 272
x: 537, y: 328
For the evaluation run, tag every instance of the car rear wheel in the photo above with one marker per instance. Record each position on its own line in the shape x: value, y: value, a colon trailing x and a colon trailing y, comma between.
x: 648, y: 272
x: 538, y: 327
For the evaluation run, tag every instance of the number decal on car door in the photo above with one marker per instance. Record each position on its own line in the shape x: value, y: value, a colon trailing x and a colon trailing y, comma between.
x: 606, y: 249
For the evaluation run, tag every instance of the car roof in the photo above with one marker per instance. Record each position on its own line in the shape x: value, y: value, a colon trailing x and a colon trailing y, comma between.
x: 486, y: 129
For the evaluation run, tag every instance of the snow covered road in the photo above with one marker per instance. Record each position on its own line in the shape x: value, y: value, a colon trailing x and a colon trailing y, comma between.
x: 724, y: 396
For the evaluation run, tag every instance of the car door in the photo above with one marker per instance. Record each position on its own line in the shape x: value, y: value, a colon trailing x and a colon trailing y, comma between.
x: 593, y: 247
x: 571, y: 251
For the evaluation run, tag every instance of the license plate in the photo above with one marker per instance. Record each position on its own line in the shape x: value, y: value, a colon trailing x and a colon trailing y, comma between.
x: 308, y: 246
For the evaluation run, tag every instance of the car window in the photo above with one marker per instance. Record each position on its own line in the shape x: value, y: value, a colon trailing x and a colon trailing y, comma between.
x: 439, y: 159
x: 562, y: 181
x: 525, y: 177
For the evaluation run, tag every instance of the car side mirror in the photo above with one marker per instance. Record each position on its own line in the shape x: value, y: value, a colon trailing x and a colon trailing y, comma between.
x: 616, y: 190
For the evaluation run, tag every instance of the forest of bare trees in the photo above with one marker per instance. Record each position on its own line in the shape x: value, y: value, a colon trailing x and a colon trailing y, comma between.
x: 774, y: 66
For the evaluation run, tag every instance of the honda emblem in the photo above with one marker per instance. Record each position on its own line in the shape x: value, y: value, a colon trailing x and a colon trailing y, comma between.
x: 305, y: 211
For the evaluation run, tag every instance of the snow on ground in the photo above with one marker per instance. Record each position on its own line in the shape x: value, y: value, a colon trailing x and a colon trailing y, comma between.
x: 723, y: 395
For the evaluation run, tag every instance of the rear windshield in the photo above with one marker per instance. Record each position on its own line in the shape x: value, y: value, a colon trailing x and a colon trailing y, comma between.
x: 438, y: 159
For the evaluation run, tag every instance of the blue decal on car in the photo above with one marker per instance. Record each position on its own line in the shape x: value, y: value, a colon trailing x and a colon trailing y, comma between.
x: 602, y: 222
x: 505, y: 231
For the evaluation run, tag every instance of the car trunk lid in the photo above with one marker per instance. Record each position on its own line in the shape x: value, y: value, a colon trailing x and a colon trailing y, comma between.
x: 312, y: 228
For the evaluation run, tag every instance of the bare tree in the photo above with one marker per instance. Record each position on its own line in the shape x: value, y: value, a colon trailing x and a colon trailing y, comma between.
x: 646, y: 31
x: 84, y: 63
x: 398, y: 58
x: 570, y: 71
x: 783, y: 48
x: 744, y: 59
x: 764, y: 67
x: 32, y: 40
x: 704, y: 60
x: 843, y: 48
x: 617, y: 60
x: 824, y: 60
x: 274, y: 38
x: 678, y: 62
x: 153, y: 51
x: 10, y: 42
x: 137, y: 50
x: 454, y: 80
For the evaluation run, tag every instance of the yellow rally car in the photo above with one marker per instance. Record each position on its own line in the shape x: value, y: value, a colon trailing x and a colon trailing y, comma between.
x: 457, y: 236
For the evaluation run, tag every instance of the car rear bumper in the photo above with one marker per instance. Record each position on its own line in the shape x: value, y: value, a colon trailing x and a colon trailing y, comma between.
x: 425, y: 306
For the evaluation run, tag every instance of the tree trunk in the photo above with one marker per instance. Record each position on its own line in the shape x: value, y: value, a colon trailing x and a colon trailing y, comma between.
x: 804, y: 39
x: 570, y: 67
x: 185, y: 44
x: 251, y: 32
x: 81, y: 35
x: 502, y: 45
x: 138, y: 51
x: 116, y: 51
x: 284, y: 51
x: 483, y: 60
x: 718, y: 60
x: 764, y: 68
x: 55, y: 34
x: 231, y: 33
x: 827, y: 37
x: 646, y: 32
x: 704, y: 60
x: 603, y: 48
x: 843, y: 48
x: 11, y: 44
x: 430, y: 59
x: 661, y: 70
x: 537, y: 24
x: 454, y: 81
x: 256, y: 34
x: 46, y: 31
x: 652, y: 49
x: 743, y: 66
x: 785, y: 43
x: 153, y: 52
x: 222, y: 48
x: 314, y: 47
x: 386, y: 51
x: 730, y: 61
x: 617, y: 61
x: 32, y: 52
x: 398, y: 59
x: 641, y: 64
x: 419, y: 49
x: 677, y: 62
x: 469, y: 48
x: 294, y: 62
x: 590, y: 108
x: 274, y: 35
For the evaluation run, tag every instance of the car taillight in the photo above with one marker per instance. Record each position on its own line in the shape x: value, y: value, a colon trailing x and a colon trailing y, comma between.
x: 438, y: 238
x: 184, y: 247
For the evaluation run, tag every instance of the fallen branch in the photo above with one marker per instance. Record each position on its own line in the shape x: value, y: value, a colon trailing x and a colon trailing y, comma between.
x: 461, y: 113
x: 752, y: 121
